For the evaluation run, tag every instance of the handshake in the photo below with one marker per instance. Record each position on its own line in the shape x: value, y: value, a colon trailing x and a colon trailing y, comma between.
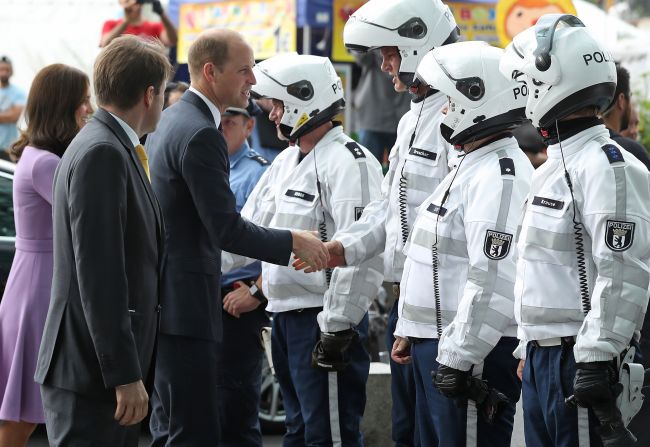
x: 312, y: 255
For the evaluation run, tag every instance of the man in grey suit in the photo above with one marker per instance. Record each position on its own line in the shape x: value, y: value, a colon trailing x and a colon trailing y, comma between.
x: 100, y: 330
x: 190, y: 168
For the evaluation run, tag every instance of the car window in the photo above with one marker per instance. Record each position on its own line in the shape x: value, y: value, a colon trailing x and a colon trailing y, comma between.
x: 7, y: 227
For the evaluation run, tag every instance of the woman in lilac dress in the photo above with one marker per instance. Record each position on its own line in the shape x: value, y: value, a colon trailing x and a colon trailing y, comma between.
x: 57, y: 107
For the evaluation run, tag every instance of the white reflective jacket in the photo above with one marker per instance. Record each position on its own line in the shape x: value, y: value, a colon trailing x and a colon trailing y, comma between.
x: 288, y: 197
x: 420, y: 167
x: 612, y: 200
x: 474, y: 233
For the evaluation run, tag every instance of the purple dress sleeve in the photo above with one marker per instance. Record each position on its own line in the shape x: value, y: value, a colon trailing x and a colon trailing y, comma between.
x: 43, y: 175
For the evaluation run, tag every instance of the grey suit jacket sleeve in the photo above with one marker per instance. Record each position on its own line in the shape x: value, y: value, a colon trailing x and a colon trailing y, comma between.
x: 206, y: 172
x: 98, y: 207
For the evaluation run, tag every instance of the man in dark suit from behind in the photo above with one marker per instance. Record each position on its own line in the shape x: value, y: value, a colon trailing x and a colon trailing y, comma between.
x: 617, y: 116
x: 190, y: 175
x: 100, y: 330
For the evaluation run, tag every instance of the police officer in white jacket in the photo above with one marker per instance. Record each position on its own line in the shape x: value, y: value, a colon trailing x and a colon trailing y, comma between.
x: 457, y: 304
x: 322, y: 182
x: 583, y: 251
x: 403, y: 30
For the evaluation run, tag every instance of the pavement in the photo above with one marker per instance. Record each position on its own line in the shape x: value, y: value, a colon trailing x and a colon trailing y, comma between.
x: 40, y: 439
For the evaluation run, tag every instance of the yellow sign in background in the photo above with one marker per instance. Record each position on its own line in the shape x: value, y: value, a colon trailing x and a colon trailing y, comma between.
x: 269, y: 26
x: 343, y: 9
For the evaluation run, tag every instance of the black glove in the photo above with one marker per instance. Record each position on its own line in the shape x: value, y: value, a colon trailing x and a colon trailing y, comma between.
x: 461, y: 385
x: 451, y: 382
x: 329, y: 352
x: 157, y: 7
x: 596, y: 386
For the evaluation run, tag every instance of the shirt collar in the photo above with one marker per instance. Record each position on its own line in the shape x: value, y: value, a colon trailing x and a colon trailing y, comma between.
x: 213, y: 109
x: 133, y: 137
x: 241, y: 153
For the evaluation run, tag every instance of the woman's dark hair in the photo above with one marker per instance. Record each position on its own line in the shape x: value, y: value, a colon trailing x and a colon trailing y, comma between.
x: 56, y: 93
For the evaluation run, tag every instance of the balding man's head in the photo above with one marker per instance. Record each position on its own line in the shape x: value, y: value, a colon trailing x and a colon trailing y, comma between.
x: 212, y: 46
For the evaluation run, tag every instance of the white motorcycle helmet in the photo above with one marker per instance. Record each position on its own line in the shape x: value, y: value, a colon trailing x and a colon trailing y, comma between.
x: 566, y: 68
x: 413, y: 26
x: 308, y: 86
x: 482, y: 101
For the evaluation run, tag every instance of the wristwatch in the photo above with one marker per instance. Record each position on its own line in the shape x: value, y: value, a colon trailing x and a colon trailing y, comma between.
x: 256, y: 292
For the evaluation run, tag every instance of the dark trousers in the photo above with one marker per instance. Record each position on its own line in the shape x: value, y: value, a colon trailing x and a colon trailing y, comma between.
x: 547, y: 381
x: 240, y: 378
x: 442, y: 422
x: 323, y: 409
x: 402, y: 387
x: 377, y: 142
x: 75, y: 420
x: 185, y: 399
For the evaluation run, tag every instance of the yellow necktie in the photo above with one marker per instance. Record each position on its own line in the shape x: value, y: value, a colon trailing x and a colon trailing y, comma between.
x: 142, y: 155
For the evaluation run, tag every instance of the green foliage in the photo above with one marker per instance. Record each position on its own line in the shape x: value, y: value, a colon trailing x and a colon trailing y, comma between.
x: 644, y: 123
x: 644, y: 112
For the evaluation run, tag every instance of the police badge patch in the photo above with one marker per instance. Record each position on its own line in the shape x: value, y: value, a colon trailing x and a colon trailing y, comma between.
x: 619, y: 235
x: 497, y: 244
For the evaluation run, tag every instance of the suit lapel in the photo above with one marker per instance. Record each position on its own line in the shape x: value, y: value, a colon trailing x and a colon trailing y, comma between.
x: 106, y: 118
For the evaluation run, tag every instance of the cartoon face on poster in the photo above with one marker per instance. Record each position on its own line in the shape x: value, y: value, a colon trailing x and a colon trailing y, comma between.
x: 514, y: 16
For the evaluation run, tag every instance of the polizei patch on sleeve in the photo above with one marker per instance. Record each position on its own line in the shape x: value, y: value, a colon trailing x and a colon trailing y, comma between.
x: 497, y: 244
x: 619, y: 235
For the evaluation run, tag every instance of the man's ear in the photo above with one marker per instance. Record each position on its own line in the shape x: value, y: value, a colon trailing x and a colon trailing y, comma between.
x: 621, y: 101
x: 149, y: 95
x: 210, y: 72
x: 249, y: 126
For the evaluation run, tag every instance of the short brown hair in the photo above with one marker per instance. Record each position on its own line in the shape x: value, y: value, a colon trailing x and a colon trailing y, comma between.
x: 211, y: 46
x: 126, y: 67
x: 56, y: 93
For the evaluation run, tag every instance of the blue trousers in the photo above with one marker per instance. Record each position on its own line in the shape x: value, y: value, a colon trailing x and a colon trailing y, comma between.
x: 184, y: 403
x: 402, y: 387
x: 547, y: 381
x: 322, y: 408
x: 239, y: 363
x: 442, y: 421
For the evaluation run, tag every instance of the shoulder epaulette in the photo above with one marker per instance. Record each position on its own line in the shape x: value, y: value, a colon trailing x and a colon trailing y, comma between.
x: 507, y: 166
x: 261, y: 160
x: 355, y: 149
x: 613, y: 153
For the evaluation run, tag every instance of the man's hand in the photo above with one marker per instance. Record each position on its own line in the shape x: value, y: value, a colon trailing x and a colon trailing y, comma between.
x: 132, y: 403
x: 401, y: 352
x: 520, y: 369
x: 337, y: 257
x: 157, y: 7
x: 451, y: 382
x: 240, y: 301
x: 310, y: 250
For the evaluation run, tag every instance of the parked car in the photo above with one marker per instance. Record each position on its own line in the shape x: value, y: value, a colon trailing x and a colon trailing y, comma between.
x: 7, y: 228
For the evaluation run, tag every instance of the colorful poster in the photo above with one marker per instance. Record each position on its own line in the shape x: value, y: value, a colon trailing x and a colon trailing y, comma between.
x: 343, y: 9
x: 514, y: 16
x: 269, y: 26
x: 476, y: 20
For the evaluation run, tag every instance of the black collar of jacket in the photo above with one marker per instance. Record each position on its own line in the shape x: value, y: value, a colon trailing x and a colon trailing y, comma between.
x: 197, y: 101
x: 108, y: 119
x: 567, y: 129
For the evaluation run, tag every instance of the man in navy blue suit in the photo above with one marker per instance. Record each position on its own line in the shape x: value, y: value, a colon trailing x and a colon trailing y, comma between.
x: 190, y: 175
